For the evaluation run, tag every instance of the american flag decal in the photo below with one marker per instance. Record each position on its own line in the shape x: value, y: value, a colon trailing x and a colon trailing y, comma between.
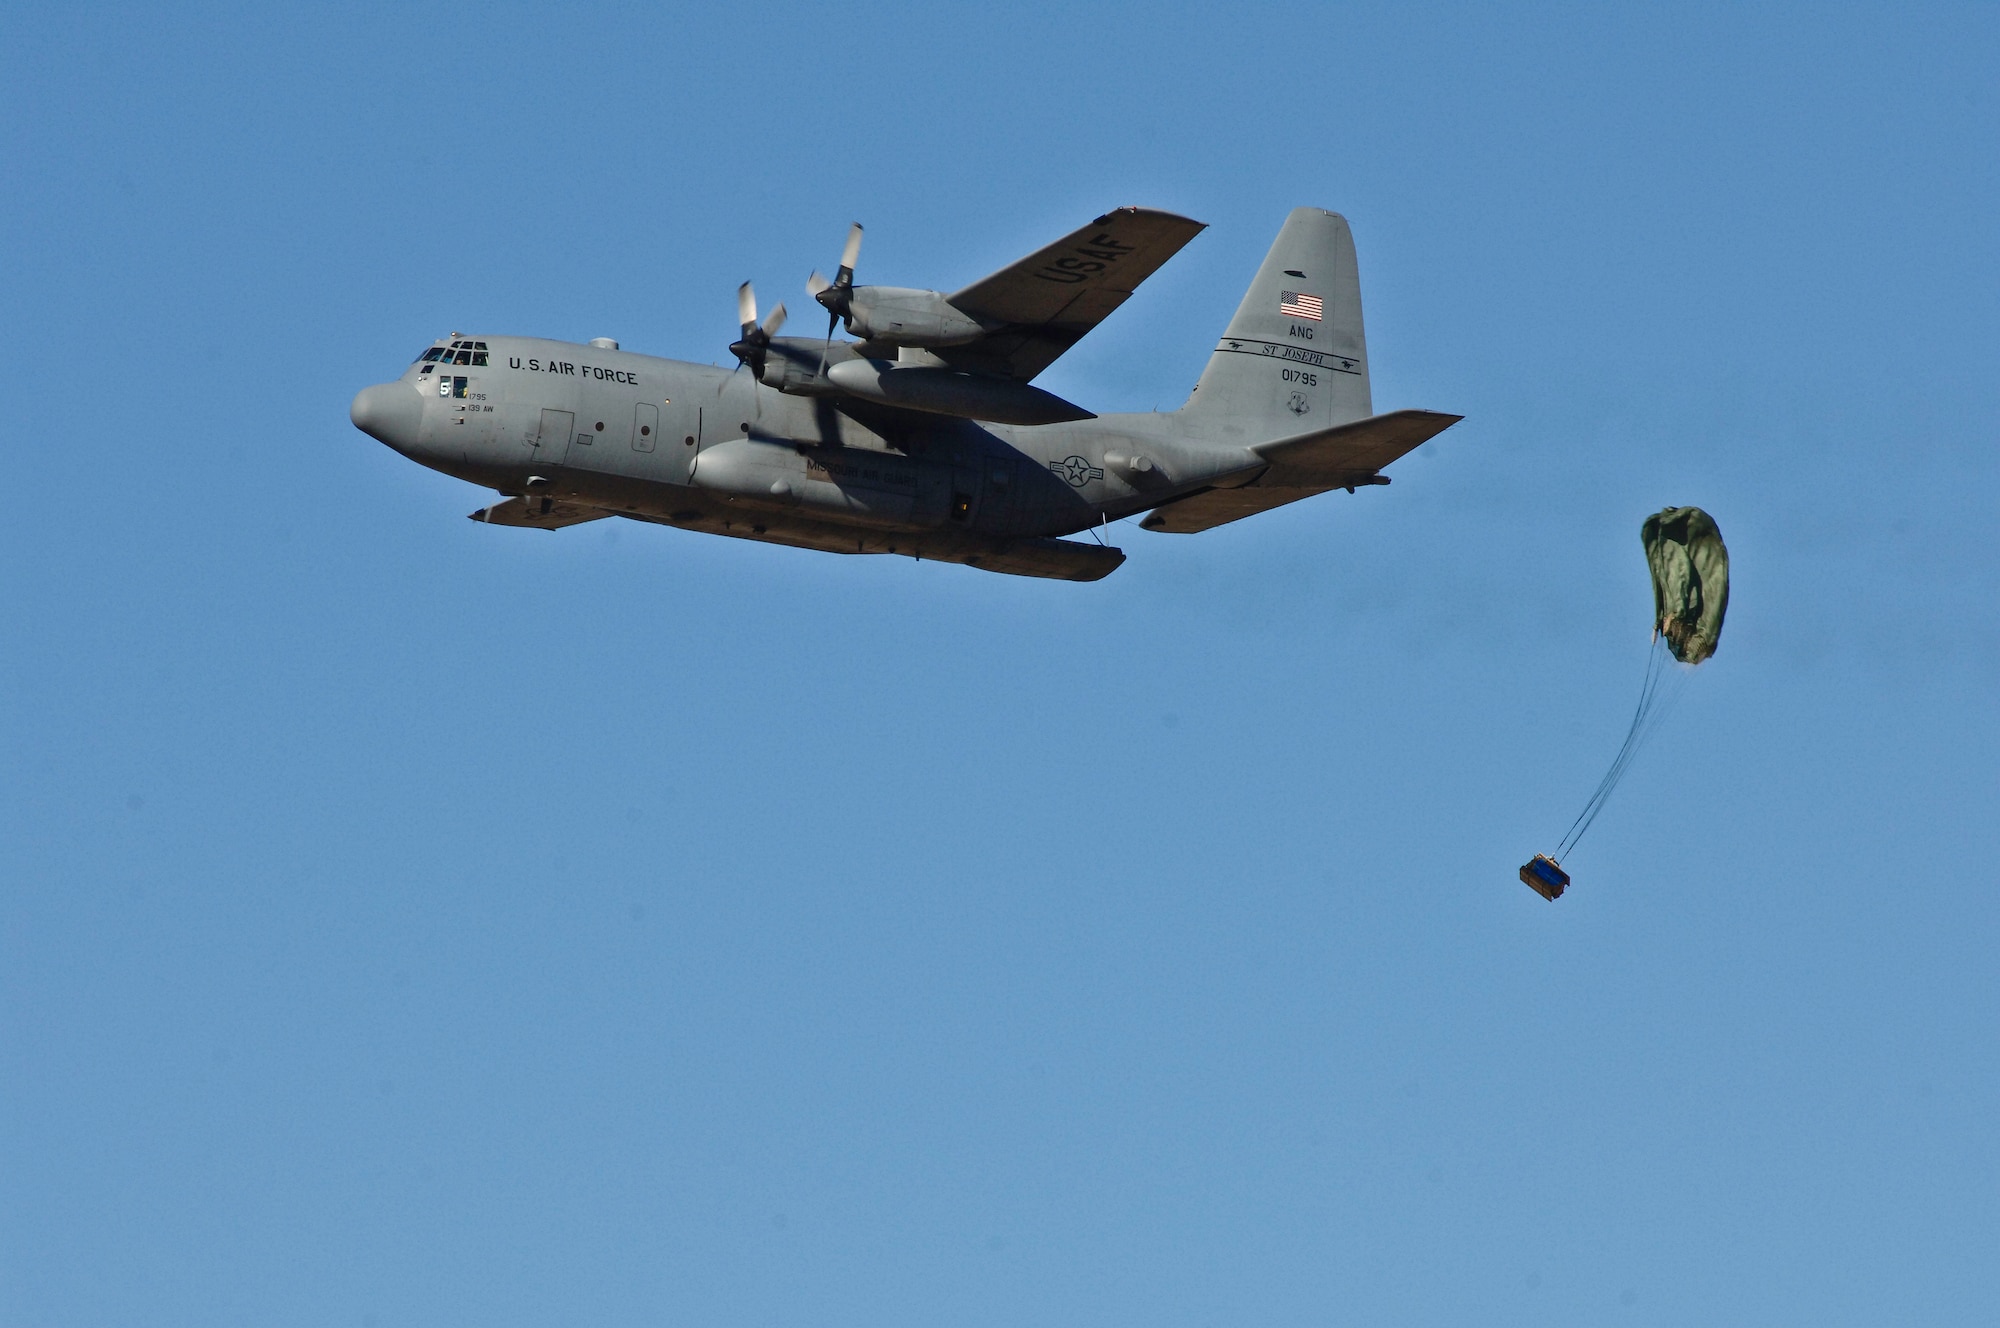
x: 1294, y: 305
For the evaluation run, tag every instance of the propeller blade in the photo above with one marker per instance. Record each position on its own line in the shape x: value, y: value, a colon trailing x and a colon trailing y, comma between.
x: 832, y: 321
x: 835, y: 296
x: 749, y: 348
x: 849, y: 255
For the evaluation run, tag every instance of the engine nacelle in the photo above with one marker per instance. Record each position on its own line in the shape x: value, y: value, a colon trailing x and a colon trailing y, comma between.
x: 948, y: 392
x: 792, y: 365
x: 901, y: 316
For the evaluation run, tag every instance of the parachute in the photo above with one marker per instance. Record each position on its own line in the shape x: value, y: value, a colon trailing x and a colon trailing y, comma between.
x: 1690, y: 569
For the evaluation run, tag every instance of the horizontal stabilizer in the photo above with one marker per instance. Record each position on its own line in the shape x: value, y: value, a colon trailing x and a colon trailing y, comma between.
x: 1218, y: 507
x: 538, y: 513
x: 1346, y: 456
x: 1348, y: 453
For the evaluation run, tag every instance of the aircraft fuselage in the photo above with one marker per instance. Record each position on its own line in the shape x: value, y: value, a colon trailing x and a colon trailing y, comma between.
x: 697, y: 446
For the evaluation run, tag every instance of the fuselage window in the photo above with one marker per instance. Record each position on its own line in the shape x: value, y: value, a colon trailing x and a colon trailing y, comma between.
x: 479, y: 357
x: 464, y: 357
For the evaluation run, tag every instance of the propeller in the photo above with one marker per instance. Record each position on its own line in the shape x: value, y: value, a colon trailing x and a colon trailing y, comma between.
x: 837, y: 296
x: 756, y: 339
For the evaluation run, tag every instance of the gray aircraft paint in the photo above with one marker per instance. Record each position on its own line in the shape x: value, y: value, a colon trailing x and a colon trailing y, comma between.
x: 571, y: 433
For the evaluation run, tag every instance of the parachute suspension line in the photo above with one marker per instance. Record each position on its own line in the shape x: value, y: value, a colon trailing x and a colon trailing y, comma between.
x: 1662, y: 687
x: 1648, y: 690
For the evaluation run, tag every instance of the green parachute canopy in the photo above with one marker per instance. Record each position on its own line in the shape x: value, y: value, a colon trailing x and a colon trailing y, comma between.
x: 1690, y: 568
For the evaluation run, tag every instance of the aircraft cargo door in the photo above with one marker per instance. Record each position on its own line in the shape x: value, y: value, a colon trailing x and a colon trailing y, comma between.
x: 552, y: 442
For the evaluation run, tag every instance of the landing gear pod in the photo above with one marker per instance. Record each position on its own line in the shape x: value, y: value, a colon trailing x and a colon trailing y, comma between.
x: 1544, y: 877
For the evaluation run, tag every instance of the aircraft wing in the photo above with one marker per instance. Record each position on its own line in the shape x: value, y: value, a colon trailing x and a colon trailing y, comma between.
x: 1055, y: 295
x: 1346, y: 456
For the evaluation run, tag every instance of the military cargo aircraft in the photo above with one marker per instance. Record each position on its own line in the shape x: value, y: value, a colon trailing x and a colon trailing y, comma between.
x: 925, y: 435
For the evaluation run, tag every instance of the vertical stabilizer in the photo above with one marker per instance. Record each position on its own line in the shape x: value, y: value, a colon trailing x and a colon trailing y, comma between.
x: 1294, y: 359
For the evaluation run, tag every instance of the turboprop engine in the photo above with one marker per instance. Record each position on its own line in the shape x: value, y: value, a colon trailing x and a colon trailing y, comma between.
x: 901, y: 316
x: 893, y: 315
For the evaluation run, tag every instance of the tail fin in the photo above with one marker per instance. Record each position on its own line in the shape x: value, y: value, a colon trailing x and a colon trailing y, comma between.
x: 1294, y: 359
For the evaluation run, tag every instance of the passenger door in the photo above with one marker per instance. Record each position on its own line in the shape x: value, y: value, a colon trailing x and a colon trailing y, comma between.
x: 552, y: 441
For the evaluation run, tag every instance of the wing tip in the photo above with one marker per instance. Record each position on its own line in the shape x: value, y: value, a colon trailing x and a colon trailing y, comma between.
x: 1159, y: 214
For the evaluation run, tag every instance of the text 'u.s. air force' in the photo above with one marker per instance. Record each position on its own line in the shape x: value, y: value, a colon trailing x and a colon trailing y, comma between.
x: 577, y: 370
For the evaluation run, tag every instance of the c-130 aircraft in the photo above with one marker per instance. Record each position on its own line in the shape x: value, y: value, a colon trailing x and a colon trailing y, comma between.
x: 925, y: 436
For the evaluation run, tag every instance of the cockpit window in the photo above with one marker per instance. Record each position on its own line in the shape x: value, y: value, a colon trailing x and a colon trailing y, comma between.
x: 458, y: 352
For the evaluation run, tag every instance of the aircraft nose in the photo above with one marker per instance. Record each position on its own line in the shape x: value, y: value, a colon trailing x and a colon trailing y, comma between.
x: 389, y: 412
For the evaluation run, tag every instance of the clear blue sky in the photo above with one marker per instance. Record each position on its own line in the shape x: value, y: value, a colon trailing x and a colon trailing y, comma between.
x: 410, y: 922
